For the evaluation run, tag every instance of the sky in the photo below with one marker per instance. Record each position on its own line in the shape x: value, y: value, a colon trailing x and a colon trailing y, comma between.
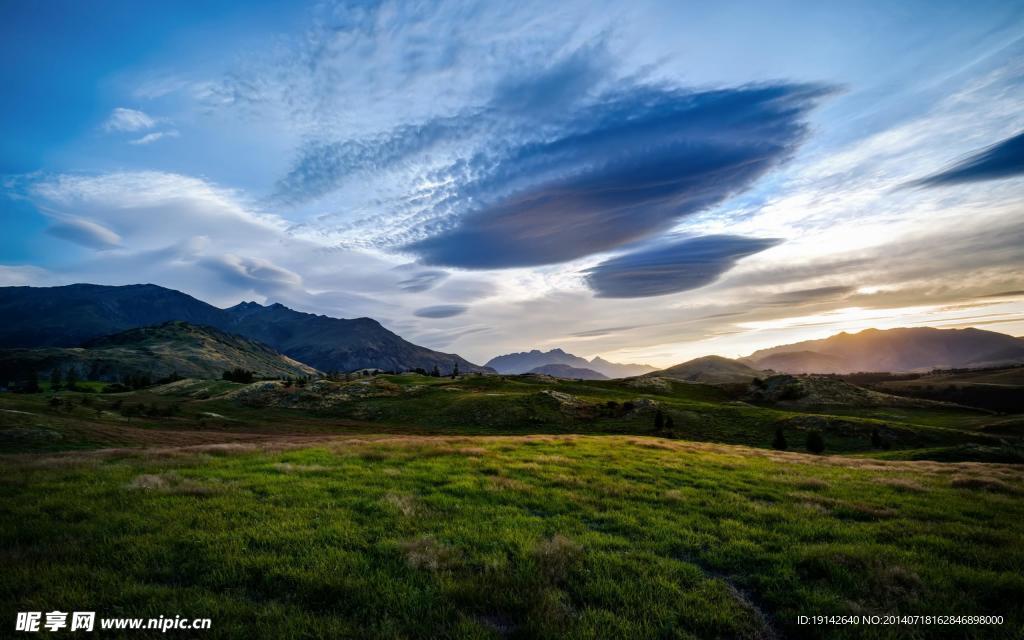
x: 645, y: 181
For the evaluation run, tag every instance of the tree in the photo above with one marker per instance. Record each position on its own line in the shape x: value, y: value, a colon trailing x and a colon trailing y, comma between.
x: 780, y: 440
x: 670, y: 425
x: 55, y: 380
x: 455, y: 371
x: 436, y: 372
x: 876, y: 440
x: 659, y: 421
x: 815, y: 442
x: 71, y: 380
x: 32, y: 384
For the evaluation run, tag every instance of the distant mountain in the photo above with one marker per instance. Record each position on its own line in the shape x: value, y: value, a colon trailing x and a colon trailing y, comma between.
x: 800, y: 362
x: 907, y: 349
x: 617, y: 370
x: 710, y: 370
x: 67, y: 316
x: 526, y: 361
x: 157, y: 351
x: 565, y: 371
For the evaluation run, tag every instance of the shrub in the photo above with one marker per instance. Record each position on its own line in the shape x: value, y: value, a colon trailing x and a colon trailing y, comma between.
x: 815, y: 442
x: 779, y: 442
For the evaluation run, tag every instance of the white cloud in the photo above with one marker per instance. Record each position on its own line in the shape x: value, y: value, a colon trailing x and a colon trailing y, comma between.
x: 153, y: 137
x: 123, y: 119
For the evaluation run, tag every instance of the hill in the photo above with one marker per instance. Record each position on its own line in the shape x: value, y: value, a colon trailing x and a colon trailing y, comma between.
x: 565, y: 371
x: 906, y: 349
x: 526, y: 361
x: 70, y: 315
x: 172, y: 348
x: 710, y: 370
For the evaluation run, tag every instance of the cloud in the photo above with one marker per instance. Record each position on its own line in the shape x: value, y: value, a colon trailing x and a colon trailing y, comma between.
x: 84, y: 232
x: 258, y: 273
x: 817, y: 294
x: 153, y: 137
x: 128, y: 120
x: 632, y: 164
x: 422, y: 280
x: 441, y: 311
x: 1004, y: 159
x: 671, y: 268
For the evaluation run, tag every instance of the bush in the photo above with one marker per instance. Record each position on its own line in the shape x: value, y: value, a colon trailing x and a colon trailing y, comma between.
x: 779, y: 442
x: 238, y: 375
x: 815, y: 442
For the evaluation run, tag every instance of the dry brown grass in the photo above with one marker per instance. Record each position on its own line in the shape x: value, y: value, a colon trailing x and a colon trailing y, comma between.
x: 976, y: 483
x: 556, y: 556
x: 426, y: 553
x: 407, y: 505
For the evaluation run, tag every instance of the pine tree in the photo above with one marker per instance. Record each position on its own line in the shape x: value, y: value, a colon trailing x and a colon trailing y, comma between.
x: 659, y: 421
x: 815, y: 443
x: 455, y: 371
x: 780, y: 440
x: 32, y: 385
x: 55, y: 380
x: 876, y: 439
x: 436, y: 372
x: 670, y: 425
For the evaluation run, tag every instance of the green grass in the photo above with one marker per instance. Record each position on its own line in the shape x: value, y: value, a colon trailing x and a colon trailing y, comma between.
x: 491, y: 507
x: 552, y: 537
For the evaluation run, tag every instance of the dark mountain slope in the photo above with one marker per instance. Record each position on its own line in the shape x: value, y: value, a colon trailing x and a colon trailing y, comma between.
x: 67, y: 316
x: 156, y: 351
x: 907, y: 349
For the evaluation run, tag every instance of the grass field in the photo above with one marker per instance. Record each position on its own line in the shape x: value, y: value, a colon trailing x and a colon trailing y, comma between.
x: 418, y: 508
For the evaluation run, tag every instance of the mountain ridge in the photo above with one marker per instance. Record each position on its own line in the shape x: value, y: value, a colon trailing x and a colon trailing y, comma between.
x: 69, y: 315
x: 894, y: 350
x: 526, y: 361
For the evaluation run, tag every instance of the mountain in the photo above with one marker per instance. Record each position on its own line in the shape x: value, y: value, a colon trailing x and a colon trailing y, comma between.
x: 157, y: 351
x: 617, y: 370
x: 906, y: 349
x: 332, y: 344
x: 527, y: 361
x: 710, y: 370
x: 69, y: 315
x: 800, y: 362
x: 565, y: 371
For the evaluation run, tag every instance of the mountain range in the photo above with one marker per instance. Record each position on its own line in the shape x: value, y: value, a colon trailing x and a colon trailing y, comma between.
x: 68, y: 316
x: 527, y: 361
x: 904, y: 349
x: 158, y: 351
x: 566, y: 371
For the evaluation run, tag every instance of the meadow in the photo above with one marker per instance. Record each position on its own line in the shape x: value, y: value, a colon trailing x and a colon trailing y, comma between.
x: 430, y: 512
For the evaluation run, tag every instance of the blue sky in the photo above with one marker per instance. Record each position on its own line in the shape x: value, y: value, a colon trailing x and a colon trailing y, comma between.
x: 646, y: 181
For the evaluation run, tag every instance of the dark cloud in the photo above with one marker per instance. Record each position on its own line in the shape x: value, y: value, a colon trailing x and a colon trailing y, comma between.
x: 1002, y: 160
x: 628, y: 166
x: 422, y: 280
x: 671, y: 268
x: 441, y: 311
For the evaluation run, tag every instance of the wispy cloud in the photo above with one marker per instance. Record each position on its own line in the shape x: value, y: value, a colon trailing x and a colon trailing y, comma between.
x: 150, y: 138
x: 124, y: 120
